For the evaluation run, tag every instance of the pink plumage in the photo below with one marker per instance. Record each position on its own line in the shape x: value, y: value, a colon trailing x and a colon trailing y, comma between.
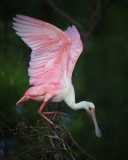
x: 75, y: 50
x: 49, y: 47
x: 53, y: 57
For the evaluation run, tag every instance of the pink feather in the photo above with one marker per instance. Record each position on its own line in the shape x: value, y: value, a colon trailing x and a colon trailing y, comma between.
x: 76, y: 48
x: 50, y: 49
x: 53, y: 57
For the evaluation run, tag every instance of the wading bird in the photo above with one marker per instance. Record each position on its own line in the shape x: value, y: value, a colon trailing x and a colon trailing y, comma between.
x: 53, y: 58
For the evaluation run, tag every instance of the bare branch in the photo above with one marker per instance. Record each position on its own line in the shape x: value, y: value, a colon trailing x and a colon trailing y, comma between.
x: 77, y: 145
x: 93, y: 21
x: 46, y: 141
x: 66, y: 16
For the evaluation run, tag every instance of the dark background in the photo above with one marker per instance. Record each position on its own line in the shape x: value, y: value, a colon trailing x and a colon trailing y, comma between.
x: 100, y: 75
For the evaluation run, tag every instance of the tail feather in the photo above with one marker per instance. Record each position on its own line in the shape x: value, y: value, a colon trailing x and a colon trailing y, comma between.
x: 22, y: 100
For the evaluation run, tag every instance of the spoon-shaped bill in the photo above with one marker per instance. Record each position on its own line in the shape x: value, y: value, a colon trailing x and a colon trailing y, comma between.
x: 97, y: 130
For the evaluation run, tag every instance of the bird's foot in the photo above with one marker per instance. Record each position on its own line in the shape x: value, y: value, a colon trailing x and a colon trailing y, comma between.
x: 42, y: 114
x: 56, y: 116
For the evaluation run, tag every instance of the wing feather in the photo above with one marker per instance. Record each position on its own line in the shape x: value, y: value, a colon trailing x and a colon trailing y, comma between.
x: 50, y: 49
x: 76, y: 48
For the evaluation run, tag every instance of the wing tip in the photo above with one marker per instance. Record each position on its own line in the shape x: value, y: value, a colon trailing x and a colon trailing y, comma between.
x: 17, y: 17
x: 72, y: 32
x: 74, y: 27
x: 20, y: 16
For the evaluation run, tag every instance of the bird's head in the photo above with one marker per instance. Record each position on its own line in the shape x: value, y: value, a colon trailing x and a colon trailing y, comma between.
x: 90, y: 108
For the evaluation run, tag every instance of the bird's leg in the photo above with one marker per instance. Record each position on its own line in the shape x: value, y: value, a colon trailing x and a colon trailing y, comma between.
x: 49, y: 112
x: 46, y: 113
x: 49, y: 109
x: 54, y: 112
x: 42, y: 114
x: 59, y: 106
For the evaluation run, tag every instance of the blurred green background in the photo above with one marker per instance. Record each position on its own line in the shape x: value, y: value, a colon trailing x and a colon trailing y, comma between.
x: 100, y: 75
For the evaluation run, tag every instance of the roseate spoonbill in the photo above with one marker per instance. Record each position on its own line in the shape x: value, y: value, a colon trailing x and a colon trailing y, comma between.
x: 53, y: 58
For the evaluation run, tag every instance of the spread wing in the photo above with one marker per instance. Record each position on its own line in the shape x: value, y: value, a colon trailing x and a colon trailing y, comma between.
x: 50, y: 49
x: 76, y: 48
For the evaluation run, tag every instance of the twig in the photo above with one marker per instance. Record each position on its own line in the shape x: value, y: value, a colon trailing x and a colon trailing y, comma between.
x: 77, y: 145
x: 67, y: 17
x: 57, y: 148
x: 93, y: 21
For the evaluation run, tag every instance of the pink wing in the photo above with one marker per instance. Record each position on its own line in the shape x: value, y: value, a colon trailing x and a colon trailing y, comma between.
x: 50, y: 49
x: 76, y: 48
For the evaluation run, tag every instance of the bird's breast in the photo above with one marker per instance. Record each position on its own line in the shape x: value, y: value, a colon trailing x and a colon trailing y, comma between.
x: 61, y: 93
x: 57, y: 98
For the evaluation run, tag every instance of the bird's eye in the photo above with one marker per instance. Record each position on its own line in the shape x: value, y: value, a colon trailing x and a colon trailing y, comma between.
x: 90, y: 109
